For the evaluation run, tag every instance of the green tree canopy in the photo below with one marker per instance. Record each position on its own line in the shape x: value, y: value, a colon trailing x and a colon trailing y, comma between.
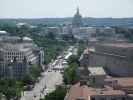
x: 58, y: 94
x: 10, y: 87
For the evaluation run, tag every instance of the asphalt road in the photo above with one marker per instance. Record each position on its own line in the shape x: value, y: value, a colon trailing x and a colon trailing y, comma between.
x: 49, y: 80
x: 46, y: 85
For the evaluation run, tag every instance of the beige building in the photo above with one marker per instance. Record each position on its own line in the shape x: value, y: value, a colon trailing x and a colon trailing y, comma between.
x: 95, y: 88
x: 96, y: 76
x: 9, y: 51
x: 84, y: 32
x: 17, y: 55
x: 112, y: 56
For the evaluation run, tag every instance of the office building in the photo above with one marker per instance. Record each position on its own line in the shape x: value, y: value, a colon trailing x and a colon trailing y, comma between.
x: 17, y: 55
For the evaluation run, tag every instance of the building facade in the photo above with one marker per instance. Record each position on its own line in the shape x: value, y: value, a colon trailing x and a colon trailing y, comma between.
x: 17, y: 56
x: 112, y: 56
x: 95, y: 88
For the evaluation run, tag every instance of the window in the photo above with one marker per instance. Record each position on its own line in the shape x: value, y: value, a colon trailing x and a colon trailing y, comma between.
x: 113, y: 99
x: 123, y: 98
x: 93, y: 79
x: 93, y: 98
x: 102, y: 99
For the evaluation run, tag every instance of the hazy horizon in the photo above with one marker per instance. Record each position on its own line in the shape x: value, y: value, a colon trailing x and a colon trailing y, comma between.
x: 66, y: 8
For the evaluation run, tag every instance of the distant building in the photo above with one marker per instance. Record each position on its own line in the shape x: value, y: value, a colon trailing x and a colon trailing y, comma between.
x: 67, y: 29
x: 77, y: 20
x: 84, y: 32
x: 55, y: 30
x: 106, y: 30
x: 27, y: 25
x: 106, y: 34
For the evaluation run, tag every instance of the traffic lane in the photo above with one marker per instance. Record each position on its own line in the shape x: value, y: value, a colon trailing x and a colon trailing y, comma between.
x: 50, y: 81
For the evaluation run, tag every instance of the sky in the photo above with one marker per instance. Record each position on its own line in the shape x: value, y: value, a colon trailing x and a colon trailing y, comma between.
x: 65, y: 8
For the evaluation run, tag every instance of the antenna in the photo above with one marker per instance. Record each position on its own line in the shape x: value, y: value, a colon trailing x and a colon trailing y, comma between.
x: 77, y: 3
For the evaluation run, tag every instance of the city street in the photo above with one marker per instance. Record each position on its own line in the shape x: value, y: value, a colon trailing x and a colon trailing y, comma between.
x: 46, y: 85
x: 50, y: 78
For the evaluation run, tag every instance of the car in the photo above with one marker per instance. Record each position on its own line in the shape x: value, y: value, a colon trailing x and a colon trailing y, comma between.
x: 59, y: 57
x: 34, y: 96
x: 28, y: 87
x: 49, y: 71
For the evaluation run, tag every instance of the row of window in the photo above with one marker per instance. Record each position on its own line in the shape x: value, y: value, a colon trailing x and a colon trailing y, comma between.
x: 18, y: 57
x: 14, y: 53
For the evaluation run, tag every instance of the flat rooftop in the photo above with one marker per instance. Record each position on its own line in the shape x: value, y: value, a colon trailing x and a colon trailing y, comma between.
x: 84, y: 91
x: 122, y: 81
x: 96, y: 71
x: 122, y: 45
x: 16, y: 46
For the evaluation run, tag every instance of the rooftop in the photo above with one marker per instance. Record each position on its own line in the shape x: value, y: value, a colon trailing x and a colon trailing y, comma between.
x: 84, y: 91
x: 122, y: 81
x: 3, y: 32
x: 122, y: 45
x: 27, y: 39
x: 15, y: 46
x: 96, y: 71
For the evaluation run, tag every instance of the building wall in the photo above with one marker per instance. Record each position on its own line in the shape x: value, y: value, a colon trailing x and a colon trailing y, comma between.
x: 15, y: 69
x: 108, y: 97
x: 123, y: 51
x: 97, y: 80
x: 9, y: 55
x: 114, y: 65
x: 16, y: 61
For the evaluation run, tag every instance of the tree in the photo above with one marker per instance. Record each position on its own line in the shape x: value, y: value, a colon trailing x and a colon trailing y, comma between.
x: 27, y: 79
x: 10, y: 88
x: 81, y: 46
x: 52, y: 47
x: 32, y: 75
x: 58, y: 94
x: 35, y: 71
x: 51, y: 35
x: 73, y: 59
x: 70, y: 76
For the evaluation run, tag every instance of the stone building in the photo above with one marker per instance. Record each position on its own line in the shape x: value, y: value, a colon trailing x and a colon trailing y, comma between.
x: 95, y: 82
x: 83, y: 32
x: 14, y: 68
x: 116, y: 58
x: 17, y: 55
